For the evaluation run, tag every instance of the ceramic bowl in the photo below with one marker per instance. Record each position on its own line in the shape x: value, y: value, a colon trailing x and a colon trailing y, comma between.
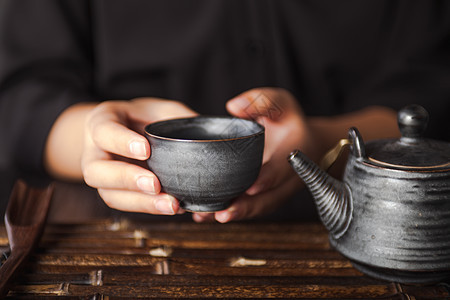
x: 206, y: 161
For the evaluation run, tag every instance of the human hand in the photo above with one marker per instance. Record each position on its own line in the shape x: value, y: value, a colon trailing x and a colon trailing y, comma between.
x: 115, y: 151
x: 286, y: 130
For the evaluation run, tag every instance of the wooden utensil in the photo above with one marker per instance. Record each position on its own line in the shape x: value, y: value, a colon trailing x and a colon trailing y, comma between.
x: 25, y: 217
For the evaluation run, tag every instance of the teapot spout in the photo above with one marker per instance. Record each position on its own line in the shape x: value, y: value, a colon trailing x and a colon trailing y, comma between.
x: 332, y: 197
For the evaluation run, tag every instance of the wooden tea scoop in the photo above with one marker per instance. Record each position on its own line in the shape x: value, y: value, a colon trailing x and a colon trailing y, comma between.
x: 25, y: 217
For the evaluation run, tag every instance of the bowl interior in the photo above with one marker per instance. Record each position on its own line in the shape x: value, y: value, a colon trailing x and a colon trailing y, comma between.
x: 204, y: 128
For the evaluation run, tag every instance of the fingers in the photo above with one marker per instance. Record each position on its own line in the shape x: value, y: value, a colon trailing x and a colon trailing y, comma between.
x: 111, y: 174
x: 106, y: 131
x: 251, y: 206
x: 146, y: 110
x: 286, y: 130
x: 262, y: 201
x: 265, y: 179
x: 117, y: 139
x: 112, y: 152
x: 139, y: 202
x: 128, y: 187
x: 202, y: 217
x: 254, y: 104
x: 275, y: 169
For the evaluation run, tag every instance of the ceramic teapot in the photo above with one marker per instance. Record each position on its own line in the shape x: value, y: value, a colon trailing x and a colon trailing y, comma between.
x: 390, y: 214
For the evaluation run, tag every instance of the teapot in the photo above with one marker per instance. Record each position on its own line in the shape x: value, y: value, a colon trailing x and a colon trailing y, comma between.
x: 390, y: 214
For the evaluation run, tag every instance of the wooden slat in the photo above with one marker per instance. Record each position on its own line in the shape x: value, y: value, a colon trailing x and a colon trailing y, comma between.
x: 125, y: 260
x: 210, y: 291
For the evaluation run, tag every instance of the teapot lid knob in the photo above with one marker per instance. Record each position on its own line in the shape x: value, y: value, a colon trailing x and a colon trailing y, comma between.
x: 412, y: 152
x: 412, y: 121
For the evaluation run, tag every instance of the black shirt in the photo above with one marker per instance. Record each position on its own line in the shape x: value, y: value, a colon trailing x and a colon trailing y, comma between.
x: 334, y: 56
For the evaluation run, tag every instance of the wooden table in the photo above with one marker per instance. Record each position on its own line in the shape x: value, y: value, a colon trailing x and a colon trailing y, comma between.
x: 126, y: 260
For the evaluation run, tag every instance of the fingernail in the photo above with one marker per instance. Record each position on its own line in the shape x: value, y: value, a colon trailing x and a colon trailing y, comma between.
x: 198, y: 218
x: 165, y: 205
x: 226, y: 215
x: 146, y: 184
x: 138, y: 149
x: 255, y: 189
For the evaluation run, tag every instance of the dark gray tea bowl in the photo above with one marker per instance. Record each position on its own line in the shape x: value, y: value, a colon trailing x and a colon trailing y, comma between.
x: 205, y: 161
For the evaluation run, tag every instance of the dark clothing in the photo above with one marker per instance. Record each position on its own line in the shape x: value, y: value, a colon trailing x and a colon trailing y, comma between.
x: 334, y: 56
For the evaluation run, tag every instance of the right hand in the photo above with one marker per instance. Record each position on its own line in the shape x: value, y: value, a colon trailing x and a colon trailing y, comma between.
x: 286, y: 129
x: 115, y: 151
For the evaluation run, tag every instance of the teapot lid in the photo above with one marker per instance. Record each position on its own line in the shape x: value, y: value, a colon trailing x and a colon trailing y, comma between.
x: 412, y: 151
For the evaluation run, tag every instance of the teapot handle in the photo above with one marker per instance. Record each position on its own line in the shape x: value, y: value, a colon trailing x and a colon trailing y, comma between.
x: 359, y: 150
x: 332, y: 155
x: 354, y: 140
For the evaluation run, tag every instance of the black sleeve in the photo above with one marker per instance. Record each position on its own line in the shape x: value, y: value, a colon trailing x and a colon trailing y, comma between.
x: 45, y: 66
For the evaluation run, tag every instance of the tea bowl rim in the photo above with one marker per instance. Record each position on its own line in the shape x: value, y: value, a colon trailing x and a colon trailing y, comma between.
x: 261, y: 130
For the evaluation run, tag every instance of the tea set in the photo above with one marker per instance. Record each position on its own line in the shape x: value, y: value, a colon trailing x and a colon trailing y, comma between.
x: 389, y: 214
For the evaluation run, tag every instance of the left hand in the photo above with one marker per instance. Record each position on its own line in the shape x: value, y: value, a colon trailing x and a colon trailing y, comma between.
x: 286, y: 129
x: 115, y: 151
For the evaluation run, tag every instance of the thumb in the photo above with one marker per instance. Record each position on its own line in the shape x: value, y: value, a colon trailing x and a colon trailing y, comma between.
x: 255, y: 104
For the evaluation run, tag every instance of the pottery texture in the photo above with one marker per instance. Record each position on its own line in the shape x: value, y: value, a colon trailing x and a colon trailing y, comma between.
x: 391, y: 212
x: 401, y: 219
x: 392, y: 224
x: 332, y: 197
x: 205, y: 175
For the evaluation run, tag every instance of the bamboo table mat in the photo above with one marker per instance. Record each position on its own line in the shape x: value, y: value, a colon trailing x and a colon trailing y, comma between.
x: 121, y: 259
